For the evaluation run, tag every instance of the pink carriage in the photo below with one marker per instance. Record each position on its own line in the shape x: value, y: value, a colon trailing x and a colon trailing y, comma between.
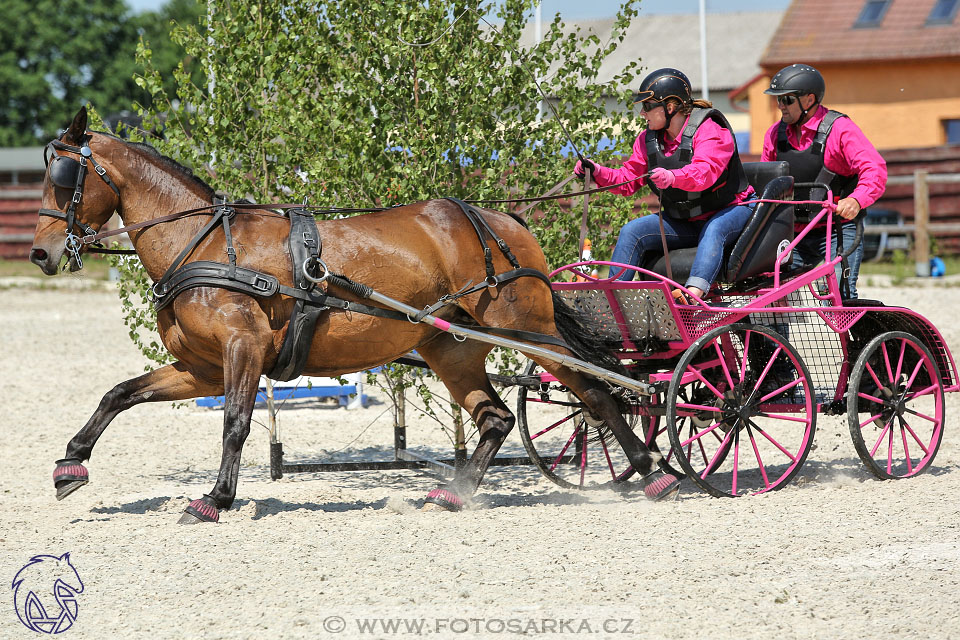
x: 741, y: 376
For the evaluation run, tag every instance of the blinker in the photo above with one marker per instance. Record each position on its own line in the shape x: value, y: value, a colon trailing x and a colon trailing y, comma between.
x: 64, y: 171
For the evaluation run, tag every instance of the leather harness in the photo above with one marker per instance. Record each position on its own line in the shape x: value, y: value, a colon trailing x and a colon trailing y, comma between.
x: 305, y: 247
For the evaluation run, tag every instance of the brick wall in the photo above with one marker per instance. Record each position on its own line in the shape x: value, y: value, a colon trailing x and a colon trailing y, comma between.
x: 18, y: 219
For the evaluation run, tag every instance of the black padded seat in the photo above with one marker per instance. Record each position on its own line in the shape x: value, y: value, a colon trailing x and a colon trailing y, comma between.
x: 755, y: 250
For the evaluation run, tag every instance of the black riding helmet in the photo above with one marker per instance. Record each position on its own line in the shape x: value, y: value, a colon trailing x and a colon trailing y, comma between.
x: 799, y: 79
x: 662, y: 84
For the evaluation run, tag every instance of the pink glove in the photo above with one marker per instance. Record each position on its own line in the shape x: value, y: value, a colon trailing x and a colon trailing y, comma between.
x: 662, y: 178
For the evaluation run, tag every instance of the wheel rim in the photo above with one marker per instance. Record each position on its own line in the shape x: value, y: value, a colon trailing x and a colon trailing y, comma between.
x: 565, y: 442
x: 740, y: 425
x: 896, y: 414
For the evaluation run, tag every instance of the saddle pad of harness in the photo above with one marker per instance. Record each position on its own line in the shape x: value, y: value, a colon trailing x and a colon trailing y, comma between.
x: 305, y: 244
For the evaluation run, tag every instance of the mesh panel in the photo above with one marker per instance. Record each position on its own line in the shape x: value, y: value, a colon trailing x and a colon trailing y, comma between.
x: 593, y: 305
x: 645, y: 312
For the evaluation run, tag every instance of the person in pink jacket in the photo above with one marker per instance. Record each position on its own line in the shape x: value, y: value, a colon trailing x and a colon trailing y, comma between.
x: 688, y: 156
x: 826, y: 147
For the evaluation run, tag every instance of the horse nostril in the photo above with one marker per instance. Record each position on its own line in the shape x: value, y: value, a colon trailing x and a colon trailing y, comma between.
x: 37, y: 255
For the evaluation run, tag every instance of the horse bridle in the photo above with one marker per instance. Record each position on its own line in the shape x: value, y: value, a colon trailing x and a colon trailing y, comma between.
x: 67, y: 173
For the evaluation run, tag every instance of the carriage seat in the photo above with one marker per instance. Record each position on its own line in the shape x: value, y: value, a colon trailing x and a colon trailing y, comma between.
x: 755, y: 249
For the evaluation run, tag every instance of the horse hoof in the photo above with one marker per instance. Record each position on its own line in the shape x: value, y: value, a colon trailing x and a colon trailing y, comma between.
x: 200, y: 510
x: 442, y: 500
x: 69, y: 476
x: 660, y: 486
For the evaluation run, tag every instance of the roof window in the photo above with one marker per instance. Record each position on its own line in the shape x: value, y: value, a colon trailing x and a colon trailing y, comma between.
x: 872, y: 13
x: 943, y: 12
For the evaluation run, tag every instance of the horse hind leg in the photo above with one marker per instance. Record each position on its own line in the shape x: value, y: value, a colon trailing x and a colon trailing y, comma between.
x: 168, y: 383
x: 657, y: 485
x: 461, y: 367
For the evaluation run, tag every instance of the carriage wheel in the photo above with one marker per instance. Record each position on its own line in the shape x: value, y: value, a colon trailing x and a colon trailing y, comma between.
x: 896, y: 416
x: 570, y: 446
x: 740, y: 425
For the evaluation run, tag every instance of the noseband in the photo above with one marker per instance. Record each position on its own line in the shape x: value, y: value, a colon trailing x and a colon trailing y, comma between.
x: 67, y: 173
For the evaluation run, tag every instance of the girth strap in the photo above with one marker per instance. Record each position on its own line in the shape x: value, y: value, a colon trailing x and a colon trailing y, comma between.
x: 204, y: 273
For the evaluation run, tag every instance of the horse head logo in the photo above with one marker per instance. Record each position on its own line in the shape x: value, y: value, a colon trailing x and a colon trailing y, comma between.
x: 45, y: 593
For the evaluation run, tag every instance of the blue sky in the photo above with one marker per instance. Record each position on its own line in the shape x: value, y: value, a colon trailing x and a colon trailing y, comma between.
x: 577, y: 9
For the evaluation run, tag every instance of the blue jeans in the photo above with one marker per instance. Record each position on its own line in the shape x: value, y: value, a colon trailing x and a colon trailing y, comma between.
x: 710, y: 236
x: 811, y: 250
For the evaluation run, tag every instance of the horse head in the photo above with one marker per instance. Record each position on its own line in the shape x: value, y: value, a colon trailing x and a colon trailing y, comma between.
x: 78, y: 196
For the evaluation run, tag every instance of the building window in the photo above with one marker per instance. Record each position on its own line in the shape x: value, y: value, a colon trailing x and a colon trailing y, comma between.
x: 872, y: 13
x: 943, y: 12
x: 952, y: 129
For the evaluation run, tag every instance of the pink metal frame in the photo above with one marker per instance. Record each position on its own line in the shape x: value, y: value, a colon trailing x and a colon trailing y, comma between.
x: 696, y: 319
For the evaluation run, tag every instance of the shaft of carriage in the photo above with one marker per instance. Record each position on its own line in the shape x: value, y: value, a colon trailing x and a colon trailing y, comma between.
x: 568, y: 361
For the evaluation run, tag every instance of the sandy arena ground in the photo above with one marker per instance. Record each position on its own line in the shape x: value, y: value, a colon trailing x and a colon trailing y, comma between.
x: 836, y: 554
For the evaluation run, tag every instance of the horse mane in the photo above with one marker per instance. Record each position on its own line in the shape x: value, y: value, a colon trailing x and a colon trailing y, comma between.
x: 167, y: 163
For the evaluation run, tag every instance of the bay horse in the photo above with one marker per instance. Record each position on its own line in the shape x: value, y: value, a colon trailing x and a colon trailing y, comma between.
x: 224, y: 340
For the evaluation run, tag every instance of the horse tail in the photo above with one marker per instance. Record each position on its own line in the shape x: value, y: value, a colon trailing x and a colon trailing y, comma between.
x: 583, y: 340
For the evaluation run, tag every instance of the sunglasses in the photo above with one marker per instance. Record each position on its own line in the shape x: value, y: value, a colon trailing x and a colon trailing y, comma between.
x: 787, y: 100
x: 650, y: 106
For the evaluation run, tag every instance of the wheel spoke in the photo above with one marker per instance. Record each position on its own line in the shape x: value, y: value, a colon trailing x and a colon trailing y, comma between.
x: 772, y: 440
x: 870, y: 420
x: 923, y: 392
x: 886, y: 427
x: 564, y: 450
x: 913, y: 376
x: 873, y: 375
x: 746, y: 350
x: 723, y: 363
x: 606, y: 454
x: 780, y: 416
x: 890, y: 448
x: 886, y: 360
x: 756, y: 452
x: 903, y: 351
x: 906, y: 448
x: 916, y: 438
x: 867, y: 396
x: 724, y: 444
x: 700, y: 434
x: 583, y: 455
x: 736, y: 461
x: 556, y: 424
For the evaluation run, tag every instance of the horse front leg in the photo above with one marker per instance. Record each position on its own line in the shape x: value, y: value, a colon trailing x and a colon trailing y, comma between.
x: 168, y: 383
x: 242, y: 366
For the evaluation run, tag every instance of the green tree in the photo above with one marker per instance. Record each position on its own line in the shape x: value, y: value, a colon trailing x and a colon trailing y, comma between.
x: 358, y: 104
x: 60, y: 54
x: 353, y: 104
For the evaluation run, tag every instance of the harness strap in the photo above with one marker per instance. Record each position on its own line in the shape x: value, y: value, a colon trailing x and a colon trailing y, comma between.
x: 473, y: 288
x: 218, y: 213
x: 481, y: 226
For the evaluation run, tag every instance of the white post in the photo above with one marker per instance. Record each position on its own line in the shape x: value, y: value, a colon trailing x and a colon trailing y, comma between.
x: 703, y: 49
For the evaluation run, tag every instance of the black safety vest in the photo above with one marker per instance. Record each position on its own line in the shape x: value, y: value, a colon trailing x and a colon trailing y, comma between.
x: 808, y: 166
x: 681, y: 204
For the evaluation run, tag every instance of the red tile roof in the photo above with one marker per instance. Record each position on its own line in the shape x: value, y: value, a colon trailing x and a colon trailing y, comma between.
x: 822, y: 31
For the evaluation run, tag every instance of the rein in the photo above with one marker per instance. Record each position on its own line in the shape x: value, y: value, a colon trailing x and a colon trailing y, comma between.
x: 91, y: 237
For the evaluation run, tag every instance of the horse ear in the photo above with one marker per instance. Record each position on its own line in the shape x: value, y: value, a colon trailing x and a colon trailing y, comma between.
x: 78, y: 128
